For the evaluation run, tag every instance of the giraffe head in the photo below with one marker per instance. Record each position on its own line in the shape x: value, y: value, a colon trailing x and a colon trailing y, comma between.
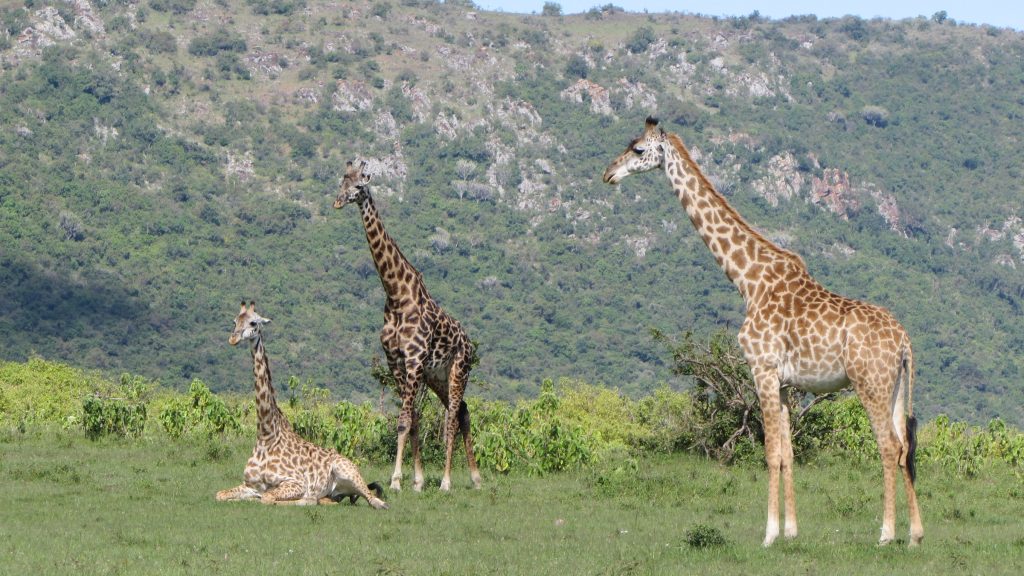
x: 645, y: 152
x: 248, y: 324
x: 354, y: 185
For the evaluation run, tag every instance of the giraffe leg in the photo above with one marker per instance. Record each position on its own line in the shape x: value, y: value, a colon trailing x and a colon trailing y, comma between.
x: 916, y: 528
x: 457, y: 378
x: 890, y: 450
x: 396, y: 476
x: 767, y: 382
x: 417, y: 454
x: 240, y: 492
x: 787, y: 468
x: 345, y: 472
x: 287, y: 492
x: 467, y: 440
x: 408, y: 388
x: 450, y: 426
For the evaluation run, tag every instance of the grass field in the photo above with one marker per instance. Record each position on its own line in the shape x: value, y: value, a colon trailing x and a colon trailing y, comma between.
x: 146, y: 506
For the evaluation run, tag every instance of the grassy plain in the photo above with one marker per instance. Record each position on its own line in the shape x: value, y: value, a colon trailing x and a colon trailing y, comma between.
x: 146, y: 507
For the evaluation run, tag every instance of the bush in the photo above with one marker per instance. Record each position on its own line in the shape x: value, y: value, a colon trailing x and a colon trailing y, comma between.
x: 641, y: 39
x: 113, y: 416
x: 357, y: 431
x: 200, y: 413
x: 704, y: 536
x: 215, y: 43
x: 39, y: 391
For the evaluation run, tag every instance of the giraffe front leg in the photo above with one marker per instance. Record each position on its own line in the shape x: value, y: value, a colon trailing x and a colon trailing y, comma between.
x: 457, y: 377
x: 417, y: 455
x: 767, y: 383
x: 240, y: 492
x: 408, y: 386
x: 788, y: 490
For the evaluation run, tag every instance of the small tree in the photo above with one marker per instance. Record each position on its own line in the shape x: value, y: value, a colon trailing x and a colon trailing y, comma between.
x: 551, y: 9
x: 875, y: 116
x: 641, y: 39
x: 730, y: 423
x: 577, y: 67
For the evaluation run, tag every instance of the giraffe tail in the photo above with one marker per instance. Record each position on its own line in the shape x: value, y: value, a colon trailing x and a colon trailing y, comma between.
x: 377, y: 489
x: 907, y: 379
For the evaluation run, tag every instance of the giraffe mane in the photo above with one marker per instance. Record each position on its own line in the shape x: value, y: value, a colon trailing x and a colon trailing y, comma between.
x: 792, y: 257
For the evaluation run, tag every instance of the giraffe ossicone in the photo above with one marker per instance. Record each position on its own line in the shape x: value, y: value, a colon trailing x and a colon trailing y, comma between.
x: 423, y: 344
x: 795, y: 333
x: 284, y: 467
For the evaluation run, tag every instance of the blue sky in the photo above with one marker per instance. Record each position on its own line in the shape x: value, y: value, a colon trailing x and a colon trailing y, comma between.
x: 1004, y: 14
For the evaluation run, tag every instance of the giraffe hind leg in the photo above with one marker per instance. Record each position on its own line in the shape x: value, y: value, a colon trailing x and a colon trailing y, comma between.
x: 287, y: 492
x: 346, y: 475
x: 467, y: 440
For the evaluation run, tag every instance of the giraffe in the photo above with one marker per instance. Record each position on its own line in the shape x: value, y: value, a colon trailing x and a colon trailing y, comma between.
x: 422, y: 342
x: 796, y: 333
x: 285, y: 468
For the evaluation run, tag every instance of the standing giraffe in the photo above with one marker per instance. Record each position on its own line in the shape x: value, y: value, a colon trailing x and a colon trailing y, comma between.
x: 421, y: 341
x: 284, y: 467
x: 795, y: 333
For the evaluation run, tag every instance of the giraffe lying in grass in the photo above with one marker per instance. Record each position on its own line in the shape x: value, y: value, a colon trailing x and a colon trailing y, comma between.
x: 285, y: 468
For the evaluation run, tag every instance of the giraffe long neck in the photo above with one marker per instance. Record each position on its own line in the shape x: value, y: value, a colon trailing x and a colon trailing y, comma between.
x: 749, y: 260
x: 271, y: 420
x: 396, y: 273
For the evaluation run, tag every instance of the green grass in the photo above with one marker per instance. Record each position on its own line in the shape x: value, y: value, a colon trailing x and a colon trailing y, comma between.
x: 147, y: 507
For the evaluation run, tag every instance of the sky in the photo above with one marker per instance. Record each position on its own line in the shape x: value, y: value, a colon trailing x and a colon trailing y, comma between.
x: 1000, y: 13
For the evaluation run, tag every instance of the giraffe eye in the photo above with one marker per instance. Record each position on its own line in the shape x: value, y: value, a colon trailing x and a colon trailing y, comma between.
x: 253, y: 323
x: 639, y: 150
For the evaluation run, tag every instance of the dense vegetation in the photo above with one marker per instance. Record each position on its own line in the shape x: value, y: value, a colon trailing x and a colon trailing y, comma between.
x: 155, y: 171
x: 569, y: 426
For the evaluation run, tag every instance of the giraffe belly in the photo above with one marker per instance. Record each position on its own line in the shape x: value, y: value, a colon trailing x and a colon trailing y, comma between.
x: 816, y: 378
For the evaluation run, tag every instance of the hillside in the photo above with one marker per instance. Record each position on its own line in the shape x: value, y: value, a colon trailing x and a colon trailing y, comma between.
x: 161, y: 160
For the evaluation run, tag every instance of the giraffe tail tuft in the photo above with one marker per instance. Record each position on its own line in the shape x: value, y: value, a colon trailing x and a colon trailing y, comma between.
x: 911, y: 447
x: 377, y: 489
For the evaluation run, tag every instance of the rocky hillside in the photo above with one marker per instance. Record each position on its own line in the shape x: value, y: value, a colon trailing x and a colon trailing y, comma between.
x: 162, y: 159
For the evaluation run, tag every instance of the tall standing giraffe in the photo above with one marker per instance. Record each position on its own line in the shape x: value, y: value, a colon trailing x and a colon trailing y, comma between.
x: 421, y: 341
x: 795, y: 333
x: 284, y: 467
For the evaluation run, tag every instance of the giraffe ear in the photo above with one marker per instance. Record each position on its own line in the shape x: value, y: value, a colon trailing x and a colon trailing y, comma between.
x: 264, y: 320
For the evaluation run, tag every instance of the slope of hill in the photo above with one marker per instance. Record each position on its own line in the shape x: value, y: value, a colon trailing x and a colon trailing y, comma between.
x: 162, y: 159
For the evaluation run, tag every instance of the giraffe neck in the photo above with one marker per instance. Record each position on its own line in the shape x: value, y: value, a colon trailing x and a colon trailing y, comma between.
x: 396, y: 274
x: 750, y: 261
x: 271, y: 420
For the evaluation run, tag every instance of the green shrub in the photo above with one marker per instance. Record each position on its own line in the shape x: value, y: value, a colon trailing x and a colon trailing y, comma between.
x: 355, y: 430
x: 39, y: 391
x: 704, y: 536
x: 201, y: 412
x: 113, y: 416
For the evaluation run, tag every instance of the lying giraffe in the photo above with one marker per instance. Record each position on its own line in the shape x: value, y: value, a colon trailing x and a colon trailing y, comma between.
x: 796, y: 333
x: 284, y: 467
x: 422, y: 342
